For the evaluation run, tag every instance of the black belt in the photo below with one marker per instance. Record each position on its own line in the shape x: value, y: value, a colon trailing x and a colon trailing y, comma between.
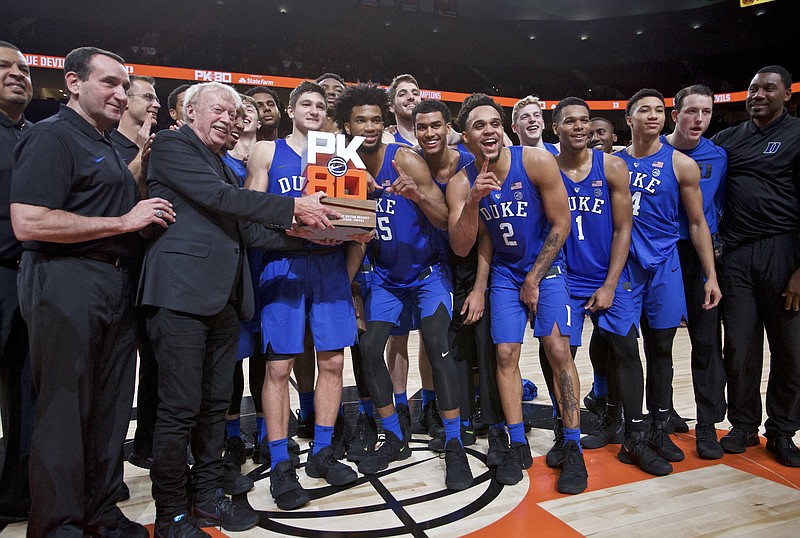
x: 116, y: 261
x: 10, y: 264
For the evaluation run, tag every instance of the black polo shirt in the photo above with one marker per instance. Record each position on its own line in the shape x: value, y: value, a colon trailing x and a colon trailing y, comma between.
x: 10, y: 134
x: 65, y: 163
x: 762, y: 189
x: 127, y: 150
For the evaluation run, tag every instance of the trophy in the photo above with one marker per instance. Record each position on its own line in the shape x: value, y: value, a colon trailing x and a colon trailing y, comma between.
x: 334, y: 167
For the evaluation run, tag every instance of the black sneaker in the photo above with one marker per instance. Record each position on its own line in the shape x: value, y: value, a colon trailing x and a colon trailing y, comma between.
x: 430, y: 419
x: 404, y: 417
x: 257, y: 450
x: 467, y: 439
x: 285, y: 487
x: 235, y: 451
x: 594, y: 404
x: 143, y: 462
x: 660, y: 442
x: 609, y: 430
x: 305, y: 428
x: 392, y: 449
x: 676, y: 423
x: 235, y: 483
x: 458, y: 474
x: 364, y: 438
x: 786, y: 452
x: 573, y: 478
x: 518, y: 457
x: 636, y: 451
x: 479, y: 427
x: 738, y: 439
x: 708, y: 447
x: 122, y: 528
x: 555, y: 456
x: 221, y: 511
x: 182, y: 526
x: 342, y: 435
x: 324, y: 465
x: 293, y: 449
x: 498, y: 447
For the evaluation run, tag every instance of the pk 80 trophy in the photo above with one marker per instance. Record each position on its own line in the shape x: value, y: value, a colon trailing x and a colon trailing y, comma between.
x: 333, y: 166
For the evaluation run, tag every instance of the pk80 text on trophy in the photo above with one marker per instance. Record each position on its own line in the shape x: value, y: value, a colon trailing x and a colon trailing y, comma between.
x: 332, y: 165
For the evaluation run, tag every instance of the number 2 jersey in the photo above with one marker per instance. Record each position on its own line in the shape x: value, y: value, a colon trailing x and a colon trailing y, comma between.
x: 656, y: 198
x: 515, y: 220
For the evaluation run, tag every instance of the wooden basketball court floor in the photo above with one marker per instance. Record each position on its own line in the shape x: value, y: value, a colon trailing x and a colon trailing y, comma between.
x: 739, y: 495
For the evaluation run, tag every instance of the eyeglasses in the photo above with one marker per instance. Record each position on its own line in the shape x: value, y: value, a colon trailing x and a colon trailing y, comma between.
x: 149, y: 97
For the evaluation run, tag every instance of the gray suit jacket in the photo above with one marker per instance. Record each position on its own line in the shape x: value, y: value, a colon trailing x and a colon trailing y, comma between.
x: 193, y: 265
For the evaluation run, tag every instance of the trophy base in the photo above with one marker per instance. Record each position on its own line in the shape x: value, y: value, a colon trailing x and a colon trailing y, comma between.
x: 358, y: 217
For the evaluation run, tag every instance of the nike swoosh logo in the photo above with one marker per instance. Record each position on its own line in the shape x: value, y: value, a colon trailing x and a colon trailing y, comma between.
x: 445, y: 354
x: 99, y: 159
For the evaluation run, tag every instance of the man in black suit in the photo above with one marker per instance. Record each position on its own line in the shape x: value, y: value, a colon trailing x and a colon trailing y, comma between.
x: 196, y: 285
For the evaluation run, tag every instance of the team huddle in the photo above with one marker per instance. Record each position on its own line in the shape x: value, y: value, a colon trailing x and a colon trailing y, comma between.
x: 476, y: 238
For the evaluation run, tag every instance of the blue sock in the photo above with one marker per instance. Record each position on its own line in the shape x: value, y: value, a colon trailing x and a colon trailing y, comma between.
x: 600, y: 386
x: 306, y: 404
x: 466, y: 423
x: 401, y: 399
x: 322, y: 437
x: 278, y: 451
x: 452, y: 429
x: 365, y: 406
x: 428, y: 396
x: 501, y: 426
x: 573, y: 435
x: 234, y: 427
x: 516, y: 433
x: 261, y: 428
x: 553, y: 401
x: 392, y: 424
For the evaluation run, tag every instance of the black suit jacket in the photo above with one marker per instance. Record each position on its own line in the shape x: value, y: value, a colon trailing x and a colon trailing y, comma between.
x: 193, y: 265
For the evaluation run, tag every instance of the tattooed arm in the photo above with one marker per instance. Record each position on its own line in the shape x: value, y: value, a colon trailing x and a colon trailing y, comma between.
x: 544, y: 174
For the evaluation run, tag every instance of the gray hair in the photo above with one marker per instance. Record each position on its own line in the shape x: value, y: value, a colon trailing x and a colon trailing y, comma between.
x: 197, y: 91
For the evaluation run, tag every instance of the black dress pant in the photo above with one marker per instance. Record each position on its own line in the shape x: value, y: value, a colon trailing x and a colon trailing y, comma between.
x: 196, y: 357
x: 705, y: 334
x: 753, y: 279
x: 82, y: 347
x: 147, y: 395
x: 17, y: 400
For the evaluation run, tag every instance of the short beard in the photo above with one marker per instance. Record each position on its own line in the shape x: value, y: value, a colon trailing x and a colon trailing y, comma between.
x: 369, y: 150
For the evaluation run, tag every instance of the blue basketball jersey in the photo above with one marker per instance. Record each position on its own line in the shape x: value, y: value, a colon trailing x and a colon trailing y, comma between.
x: 285, y: 173
x: 656, y: 196
x: 400, y: 140
x: 514, y: 218
x: 237, y: 167
x: 713, y: 163
x: 464, y: 158
x: 407, y: 243
x: 552, y: 148
x: 461, y: 146
x: 588, y: 246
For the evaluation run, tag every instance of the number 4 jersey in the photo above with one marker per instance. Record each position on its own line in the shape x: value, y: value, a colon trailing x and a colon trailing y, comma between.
x: 656, y: 196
